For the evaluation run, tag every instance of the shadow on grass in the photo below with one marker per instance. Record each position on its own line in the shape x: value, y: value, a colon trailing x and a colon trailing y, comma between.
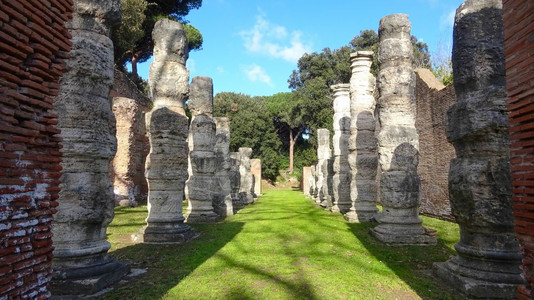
x: 167, y: 265
x: 413, y: 264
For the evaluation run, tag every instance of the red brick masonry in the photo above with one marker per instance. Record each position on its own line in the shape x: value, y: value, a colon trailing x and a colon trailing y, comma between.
x: 33, y: 46
x: 518, y: 18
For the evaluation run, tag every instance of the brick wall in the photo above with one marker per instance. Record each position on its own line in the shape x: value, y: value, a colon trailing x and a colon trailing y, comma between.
x: 435, y: 152
x: 33, y: 46
x: 129, y: 107
x: 518, y: 20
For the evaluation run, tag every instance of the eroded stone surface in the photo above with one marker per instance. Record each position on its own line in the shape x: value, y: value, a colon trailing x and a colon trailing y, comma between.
x: 88, y: 131
x: 487, y: 265
x: 167, y: 127
x: 202, y: 184
x: 246, y: 187
x: 341, y: 177
x: 255, y: 169
x: 397, y: 139
x: 362, y: 157
x: 324, y: 168
x: 222, y: 200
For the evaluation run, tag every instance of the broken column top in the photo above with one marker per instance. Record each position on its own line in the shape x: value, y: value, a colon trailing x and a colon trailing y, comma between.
x: 323, y: 144
x: 395, y: 26
x: 245, y: 151
x: 340, y: 87
x: 170, y: 42
x: 168, y: 77
x: 201, y: 96
x: 361, y: 54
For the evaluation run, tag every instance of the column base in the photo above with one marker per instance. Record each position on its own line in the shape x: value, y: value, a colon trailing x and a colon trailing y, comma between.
x: 473, y: 287
x: 401, y: 238
x: 342, y: 209
x: 88, y: 280
x: 155, y: 233
x: 359, y: 217
x: 202, y: 217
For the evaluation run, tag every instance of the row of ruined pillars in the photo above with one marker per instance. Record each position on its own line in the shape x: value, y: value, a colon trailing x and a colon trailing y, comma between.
x: 488, y: 254
x: 375, y: 152
x: 188, y: 159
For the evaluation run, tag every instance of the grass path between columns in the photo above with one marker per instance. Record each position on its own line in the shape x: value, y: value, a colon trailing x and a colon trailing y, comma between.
x: 281, y: 247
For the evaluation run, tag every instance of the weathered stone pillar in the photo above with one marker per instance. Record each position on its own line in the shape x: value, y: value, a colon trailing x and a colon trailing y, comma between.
x: 246, y: 187
x: 306, y: 182
x: 202, y: 184
x: 167, y: 127
x: 341, y: 177
x: 235, y: 180
x: 363, y: 157
x: 324, y: 181
x: 397, y: 139
x: 487, y: 265
x: 255, y: 168
x: 222, y: 200
x: 87, y: 125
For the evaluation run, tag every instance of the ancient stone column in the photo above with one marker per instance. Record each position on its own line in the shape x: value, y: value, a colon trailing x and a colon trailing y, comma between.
x: 363, y: 157
x: 202, y: 184
x: 487, y: 265
x: 255, y: 168
x: 235, y: 180
x: 167, y: 128
x: 86, y: 203
x: 341, y: 177
x: 324, y: 181
x: 397, y: 139
x: 306, y: 182
x: 246, y: 188
x: 222, y: 199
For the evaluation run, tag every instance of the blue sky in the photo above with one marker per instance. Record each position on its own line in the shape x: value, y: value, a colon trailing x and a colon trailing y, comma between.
x: 251, y: 46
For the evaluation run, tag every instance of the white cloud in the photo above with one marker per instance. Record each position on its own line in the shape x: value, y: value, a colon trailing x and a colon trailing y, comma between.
x: 220, y: 69
x: 446, y: 20
x: 274, y: 40
x: 256, y: 73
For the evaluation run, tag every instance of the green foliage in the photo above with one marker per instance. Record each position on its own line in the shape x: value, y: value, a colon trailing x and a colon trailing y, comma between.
x: 194, y: 37
x: 138, y: 48
x: 367, y: 40
x: 130, y: 30
x: 281, y: 247
x: 251, y: 125
x: 421, y: 57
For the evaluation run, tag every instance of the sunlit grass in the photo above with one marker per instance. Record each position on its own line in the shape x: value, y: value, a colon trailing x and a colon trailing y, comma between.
x: 282, y: 247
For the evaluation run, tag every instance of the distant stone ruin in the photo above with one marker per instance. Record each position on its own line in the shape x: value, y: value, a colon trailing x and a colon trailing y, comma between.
x: 487, y: 265
x: 398, y: 143
x: 81, y: 264
x: 324, y: 168
x: 167, y: 127
x: 246, y: 186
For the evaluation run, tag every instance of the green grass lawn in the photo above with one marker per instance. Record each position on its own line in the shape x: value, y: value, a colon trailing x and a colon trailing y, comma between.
x: 282, y: 247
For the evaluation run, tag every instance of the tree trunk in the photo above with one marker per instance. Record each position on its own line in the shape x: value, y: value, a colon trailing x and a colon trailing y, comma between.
x: 291, y: 146
x: 134, y: 65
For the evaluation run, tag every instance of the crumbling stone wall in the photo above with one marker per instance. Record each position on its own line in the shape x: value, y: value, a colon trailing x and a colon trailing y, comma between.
x: 518, y: 21
x: 435, y: 152
x: 34, y: 44
x: 129, y: 106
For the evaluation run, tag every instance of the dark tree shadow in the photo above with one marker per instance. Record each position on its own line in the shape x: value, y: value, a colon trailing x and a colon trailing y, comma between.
x: 156, y: 259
